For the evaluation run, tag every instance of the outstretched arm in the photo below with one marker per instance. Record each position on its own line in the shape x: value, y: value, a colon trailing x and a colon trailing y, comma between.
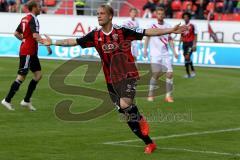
x: 64, y: 42
x: 85, y: 41
x: 158, y: 32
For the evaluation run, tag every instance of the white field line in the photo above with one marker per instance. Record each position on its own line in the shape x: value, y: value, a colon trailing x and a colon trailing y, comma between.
x: 178, y: 135
x: 185, y: 150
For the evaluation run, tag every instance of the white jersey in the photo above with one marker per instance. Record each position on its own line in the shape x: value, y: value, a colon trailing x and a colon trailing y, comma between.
x: 131, y: 23
x: 159, y: 44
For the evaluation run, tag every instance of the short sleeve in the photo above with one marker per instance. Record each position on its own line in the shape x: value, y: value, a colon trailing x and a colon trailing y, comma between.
x: 19, y: 28
x: 33, y: 26
x: 133, y: 33
x: 87, y: 40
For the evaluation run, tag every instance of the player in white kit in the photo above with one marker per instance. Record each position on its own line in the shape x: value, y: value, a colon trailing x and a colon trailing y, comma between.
x: 160, y: 58
x: 132, y: 22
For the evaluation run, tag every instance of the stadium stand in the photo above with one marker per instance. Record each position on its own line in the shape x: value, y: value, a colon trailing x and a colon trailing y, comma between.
x: 228, y: 10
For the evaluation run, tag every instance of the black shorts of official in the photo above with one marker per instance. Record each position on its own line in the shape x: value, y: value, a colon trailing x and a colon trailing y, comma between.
x: 123, y: 89
x: 28, y: 62
x: 187, y: 48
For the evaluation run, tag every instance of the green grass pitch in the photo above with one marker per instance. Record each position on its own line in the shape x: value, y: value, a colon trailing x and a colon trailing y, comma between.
x: 211, y: 131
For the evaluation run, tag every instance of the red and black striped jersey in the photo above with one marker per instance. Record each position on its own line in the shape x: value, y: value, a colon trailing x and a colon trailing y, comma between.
x: 28, y: 25
x: 114, y: 49
x: 189, y: 34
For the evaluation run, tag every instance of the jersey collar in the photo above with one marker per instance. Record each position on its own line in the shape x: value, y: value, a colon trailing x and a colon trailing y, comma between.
x: 107, y: 34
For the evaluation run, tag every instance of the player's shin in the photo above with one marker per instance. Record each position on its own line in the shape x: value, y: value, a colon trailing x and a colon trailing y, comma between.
x: 137, y: 123
x: 192, y: 67
x: 14, y: 88
x: 152, y: 86
x: 187, y: 67
x: 31, y: 87
x: 169, y: 87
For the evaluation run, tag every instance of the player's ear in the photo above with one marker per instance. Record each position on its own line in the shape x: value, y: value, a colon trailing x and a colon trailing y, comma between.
x: 111, y: 17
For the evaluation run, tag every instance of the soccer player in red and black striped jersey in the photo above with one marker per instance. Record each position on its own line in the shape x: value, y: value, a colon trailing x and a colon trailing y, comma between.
x: 113, y: 44
x: 27, y: 32
x: 189, y: 39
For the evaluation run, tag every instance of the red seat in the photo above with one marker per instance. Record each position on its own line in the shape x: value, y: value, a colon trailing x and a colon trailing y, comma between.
x: 178, y: 15
x: 227, y: 17
x: 50, y: 2
x: 236, y: 16
x: 194, y: 8
x: 197, y: 2
x: 217, y: 16
x: 67, y: 4
x: 64, y: 11
x: 210, y: 6
x: 176, y: 5
x: 185, y: 4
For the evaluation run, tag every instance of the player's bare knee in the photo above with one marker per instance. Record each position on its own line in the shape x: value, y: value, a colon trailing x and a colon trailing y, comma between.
x: 125, y: 102
x: 156, y: 75
x: 21, y: 77
x: 37, y: 76
x: 169, y: 75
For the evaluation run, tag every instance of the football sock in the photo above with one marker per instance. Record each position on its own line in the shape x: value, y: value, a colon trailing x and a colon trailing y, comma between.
x: 191, y: 64
x: 187, y: 67
x: 152, y: 86
x: 133, y: 117
x: 14, y: 88
x: 169, y: 86
x: 31, y: 87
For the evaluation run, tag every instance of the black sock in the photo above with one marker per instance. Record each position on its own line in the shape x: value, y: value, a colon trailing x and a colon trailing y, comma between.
x: 31, y: 87
x: 134, y: 117
x: 187, y: 67
x: 14, y: 88
x: 192, y: 68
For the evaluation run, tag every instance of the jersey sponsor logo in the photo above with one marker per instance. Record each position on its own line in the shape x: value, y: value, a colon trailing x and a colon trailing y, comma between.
x: 115, y: 37
x: 109, y: 47
x: 112, y: 47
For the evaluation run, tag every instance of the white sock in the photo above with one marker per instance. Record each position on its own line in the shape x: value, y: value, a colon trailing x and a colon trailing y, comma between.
x: 152, y: 86
x: 169, y: 87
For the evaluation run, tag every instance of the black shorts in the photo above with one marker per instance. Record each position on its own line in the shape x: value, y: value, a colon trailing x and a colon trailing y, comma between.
x: 187, y: 48
x: 123, y: 89
x: 28, y: 62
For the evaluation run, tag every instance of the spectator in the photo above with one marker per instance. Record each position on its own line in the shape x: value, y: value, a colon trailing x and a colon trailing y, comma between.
x: 80, y: 4
x: 168, y: 9
x: 3, y: 6
x: 11, y: 5
x: 237, y: 8
x: 149, y: 8
x: 201, y: 9
x: 160, y: 3
x: 189, y: 10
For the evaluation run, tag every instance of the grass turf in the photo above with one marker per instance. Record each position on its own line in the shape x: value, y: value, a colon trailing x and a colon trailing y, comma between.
x: 211, y: 100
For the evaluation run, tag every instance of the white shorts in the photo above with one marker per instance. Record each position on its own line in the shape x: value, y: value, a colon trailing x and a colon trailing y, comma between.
x: 161, y: 64
x: 134, y: 48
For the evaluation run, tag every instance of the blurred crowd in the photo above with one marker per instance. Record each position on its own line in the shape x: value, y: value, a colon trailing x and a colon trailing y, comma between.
x: 199, y: 9
x: 16, y: 5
